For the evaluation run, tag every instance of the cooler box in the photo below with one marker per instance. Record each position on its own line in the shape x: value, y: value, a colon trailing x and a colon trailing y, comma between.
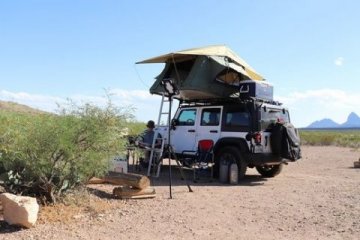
x: 119, y: 164
x: 256, y: 89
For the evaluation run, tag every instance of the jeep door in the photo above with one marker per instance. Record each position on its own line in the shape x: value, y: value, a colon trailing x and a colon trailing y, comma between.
x: 209, y: 124
x: 183, y: 137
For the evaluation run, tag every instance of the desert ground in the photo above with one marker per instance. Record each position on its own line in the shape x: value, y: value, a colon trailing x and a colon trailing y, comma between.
x: 317, y: 197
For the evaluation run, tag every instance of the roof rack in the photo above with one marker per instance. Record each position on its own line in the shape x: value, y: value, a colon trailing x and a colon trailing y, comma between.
x: 268, y: 101
x: 211, y: 101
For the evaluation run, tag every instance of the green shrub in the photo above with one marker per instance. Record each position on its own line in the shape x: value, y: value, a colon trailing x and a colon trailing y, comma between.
x: 47, y: 154
x: 343, y: 138
x: 136, y: 128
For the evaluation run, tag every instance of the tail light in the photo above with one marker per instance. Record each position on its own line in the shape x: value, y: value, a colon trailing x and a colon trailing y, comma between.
x: 257, y: 137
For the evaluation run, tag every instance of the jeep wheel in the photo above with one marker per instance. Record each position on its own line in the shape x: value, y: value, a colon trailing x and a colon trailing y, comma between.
x: 231, y: 154
x: 269, y: 171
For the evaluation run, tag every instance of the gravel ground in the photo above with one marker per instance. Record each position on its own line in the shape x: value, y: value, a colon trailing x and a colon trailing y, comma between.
x: 317, y: 197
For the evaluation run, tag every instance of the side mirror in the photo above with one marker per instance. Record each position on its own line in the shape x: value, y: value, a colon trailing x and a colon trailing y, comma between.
x: 174, y: 122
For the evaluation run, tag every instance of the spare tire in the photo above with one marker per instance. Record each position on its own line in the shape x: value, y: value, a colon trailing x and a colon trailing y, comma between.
x: 285, y: 141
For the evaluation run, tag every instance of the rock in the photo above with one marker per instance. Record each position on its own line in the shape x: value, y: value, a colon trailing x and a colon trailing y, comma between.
x: 19, y: 210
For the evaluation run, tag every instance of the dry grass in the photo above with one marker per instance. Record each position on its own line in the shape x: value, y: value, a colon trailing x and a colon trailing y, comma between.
x: 19, y: 108
x: 86, y: 202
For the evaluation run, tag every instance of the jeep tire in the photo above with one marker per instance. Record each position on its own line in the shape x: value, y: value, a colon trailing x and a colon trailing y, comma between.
x: 231, y: 154
x: 269, y: 171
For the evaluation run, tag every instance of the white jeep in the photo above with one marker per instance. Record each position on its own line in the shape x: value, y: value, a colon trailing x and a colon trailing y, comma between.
x: 251, y: 133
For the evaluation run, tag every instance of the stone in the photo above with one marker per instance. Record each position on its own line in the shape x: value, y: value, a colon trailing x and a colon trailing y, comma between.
x: 19, y: 210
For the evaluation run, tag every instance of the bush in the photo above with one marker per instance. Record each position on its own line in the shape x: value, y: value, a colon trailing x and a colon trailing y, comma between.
x: 343, y: 138
x: 47, y: 154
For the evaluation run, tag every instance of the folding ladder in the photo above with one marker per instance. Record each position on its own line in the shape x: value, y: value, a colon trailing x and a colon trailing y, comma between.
x: 158, y: 152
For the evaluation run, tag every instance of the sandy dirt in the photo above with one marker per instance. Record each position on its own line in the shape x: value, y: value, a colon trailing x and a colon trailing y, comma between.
x: 317, y: 197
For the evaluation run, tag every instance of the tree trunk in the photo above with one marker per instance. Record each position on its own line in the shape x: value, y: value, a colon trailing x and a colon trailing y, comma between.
x: 129, y: 179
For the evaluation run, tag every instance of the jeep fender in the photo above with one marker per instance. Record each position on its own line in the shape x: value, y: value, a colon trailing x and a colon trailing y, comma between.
x: 240, y: 143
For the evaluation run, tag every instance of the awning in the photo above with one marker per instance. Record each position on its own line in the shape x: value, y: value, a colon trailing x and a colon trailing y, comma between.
x: 234, y: 61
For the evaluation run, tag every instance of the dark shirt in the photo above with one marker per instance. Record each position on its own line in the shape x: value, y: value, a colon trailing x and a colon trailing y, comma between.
x: 147, y: 137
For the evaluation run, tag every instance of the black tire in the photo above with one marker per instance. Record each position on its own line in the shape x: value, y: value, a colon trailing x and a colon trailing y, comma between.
x: 270, y: 171
x: 231, y: 154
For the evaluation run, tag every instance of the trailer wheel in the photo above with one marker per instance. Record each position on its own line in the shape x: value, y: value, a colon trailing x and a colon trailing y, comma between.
x: 270, y: 171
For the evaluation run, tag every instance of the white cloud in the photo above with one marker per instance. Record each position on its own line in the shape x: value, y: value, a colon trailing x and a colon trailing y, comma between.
x: 305, y: 106
x: 43, y: 102
x: 339, y: 61
x: 146, y: 105
x: 131, y: 93
x: 311, y: 105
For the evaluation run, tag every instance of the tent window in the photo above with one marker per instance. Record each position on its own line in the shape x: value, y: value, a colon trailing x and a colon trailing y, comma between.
x: 183, y: 69
x: 229, y: 76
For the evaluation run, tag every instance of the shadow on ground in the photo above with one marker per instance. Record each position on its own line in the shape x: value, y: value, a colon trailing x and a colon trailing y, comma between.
x: 6, y: 228
x: 204, y: 178
x: 177, y: 180
x: 100, y: 193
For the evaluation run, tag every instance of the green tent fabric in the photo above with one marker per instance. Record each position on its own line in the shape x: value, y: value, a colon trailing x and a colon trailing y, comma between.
x: 202, y: 73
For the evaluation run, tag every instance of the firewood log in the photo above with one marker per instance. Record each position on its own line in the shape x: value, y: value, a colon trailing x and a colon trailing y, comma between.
x: 129, y: 192
x: 128, y: 179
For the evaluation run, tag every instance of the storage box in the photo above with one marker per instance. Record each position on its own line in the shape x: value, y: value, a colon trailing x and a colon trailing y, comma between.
x: 256, y: 89
x: 119, y: 164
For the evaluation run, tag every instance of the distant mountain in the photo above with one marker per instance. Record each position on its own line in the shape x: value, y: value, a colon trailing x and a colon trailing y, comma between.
x: 324, y: 123
x: 16, y: 107
x: 353, y: 121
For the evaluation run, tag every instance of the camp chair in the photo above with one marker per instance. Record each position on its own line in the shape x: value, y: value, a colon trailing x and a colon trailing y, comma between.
x: 201, y: 159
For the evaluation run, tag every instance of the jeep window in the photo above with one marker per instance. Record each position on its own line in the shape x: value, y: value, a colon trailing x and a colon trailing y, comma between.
x: 210, y: 117
x: 236, y: 120
x: 270, y: 116
x: 187, y: 117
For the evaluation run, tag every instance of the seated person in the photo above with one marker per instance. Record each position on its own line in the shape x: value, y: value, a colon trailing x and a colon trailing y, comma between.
x: 145, y: 140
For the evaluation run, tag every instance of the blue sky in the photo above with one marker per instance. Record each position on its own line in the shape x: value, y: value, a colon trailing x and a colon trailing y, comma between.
x: 53, y: 50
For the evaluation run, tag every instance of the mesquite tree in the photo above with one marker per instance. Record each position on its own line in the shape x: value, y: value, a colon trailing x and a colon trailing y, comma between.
x: 47, y: 154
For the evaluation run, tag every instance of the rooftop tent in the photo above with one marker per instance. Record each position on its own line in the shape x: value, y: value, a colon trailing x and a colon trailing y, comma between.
x: 201, y: 73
